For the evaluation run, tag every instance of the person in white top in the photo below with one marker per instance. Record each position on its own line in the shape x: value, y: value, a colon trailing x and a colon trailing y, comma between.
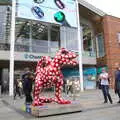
x: 104, y: 78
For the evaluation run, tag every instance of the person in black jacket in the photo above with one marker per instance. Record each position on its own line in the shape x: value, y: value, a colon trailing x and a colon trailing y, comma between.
x: 117, y: 80
x: 27, y: 86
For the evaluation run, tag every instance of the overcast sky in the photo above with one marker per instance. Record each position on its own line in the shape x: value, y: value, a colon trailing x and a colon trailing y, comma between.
x: 111, y: 7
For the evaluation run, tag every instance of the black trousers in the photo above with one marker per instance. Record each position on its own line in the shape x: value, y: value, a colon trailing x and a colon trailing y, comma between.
x: 69, y: 89
x: 118, y: 92
x: 28, y: 97
x: 17, y: 91
x: 106, y: 94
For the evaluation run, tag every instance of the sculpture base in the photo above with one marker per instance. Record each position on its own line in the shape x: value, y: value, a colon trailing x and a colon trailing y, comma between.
x: 52, y: 109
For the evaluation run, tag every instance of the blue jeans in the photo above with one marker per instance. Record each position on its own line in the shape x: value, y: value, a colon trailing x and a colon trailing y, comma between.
x: 106, y: 94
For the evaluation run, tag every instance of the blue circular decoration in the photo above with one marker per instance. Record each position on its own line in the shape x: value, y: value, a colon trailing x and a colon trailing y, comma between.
x: 37, y: 11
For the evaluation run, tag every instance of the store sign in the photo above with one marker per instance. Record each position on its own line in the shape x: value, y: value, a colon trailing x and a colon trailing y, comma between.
x: 31, y: 56
x: 61, y: 12
x: 22, y: 56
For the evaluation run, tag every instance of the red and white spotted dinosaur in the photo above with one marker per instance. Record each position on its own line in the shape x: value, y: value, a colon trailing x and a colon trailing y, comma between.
x: 48, y: 74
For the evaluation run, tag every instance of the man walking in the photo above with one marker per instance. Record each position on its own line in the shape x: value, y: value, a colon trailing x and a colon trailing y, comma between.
x: 117, y: 80
x: 104, y: 78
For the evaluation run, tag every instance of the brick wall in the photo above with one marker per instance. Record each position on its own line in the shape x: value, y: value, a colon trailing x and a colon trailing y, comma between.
x: 111, y: 27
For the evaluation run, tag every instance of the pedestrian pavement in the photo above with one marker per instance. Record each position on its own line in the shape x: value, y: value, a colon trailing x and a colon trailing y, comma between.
x: 90, y: 100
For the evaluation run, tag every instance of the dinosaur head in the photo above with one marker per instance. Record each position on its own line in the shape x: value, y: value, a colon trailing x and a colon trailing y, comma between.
x: 65, y: 57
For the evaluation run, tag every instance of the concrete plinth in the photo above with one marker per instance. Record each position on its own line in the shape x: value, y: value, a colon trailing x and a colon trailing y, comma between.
x: 55, y: 109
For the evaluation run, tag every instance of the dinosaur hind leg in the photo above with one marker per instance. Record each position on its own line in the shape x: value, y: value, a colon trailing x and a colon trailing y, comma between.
x: 44, y: 99
x: 58, y: 92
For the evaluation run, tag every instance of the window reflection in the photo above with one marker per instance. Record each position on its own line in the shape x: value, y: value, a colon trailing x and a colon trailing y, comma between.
x: 22, y: 36
x: 39, y: 31
x: 39, y: 37
x: 87, y: 38
x: 55, y: 38
x: 100, y: 42
x: 5, y: 16
x: 36, y: 37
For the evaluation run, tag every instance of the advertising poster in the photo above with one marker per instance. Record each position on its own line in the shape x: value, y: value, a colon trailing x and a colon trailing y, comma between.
x: 90, y: 78
x: 62, y: 12
x: 99, y: 70
x: 70, y: 72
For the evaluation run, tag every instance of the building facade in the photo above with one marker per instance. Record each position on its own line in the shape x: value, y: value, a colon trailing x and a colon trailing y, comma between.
x: 35, y: 39
x: 111, y: 56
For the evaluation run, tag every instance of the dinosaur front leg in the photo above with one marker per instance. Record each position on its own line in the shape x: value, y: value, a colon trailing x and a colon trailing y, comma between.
x: 58, y: 93
x: 38, y: 89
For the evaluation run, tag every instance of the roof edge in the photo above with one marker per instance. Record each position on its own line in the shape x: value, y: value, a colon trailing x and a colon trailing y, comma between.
x: 92, y: 8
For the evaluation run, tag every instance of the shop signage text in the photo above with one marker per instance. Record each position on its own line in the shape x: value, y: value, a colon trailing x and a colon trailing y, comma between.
x: 31, y: 56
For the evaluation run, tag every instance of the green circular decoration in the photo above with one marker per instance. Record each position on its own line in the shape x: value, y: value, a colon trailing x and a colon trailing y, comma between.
x: 59, y: 16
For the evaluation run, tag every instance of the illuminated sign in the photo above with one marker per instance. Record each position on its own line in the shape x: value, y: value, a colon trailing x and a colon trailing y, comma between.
x: 61, y: 12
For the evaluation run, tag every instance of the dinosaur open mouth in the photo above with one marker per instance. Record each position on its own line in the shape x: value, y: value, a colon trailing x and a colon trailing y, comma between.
x: 73, y: 61
x: 73, y: 57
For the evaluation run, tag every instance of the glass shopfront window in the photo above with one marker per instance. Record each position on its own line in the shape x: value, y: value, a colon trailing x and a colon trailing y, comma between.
x: 89, y: 75
x: 69, y: 38
x: 22, y: 36
x: 36, y: 37
x: 100, y: 45
x: 39, y: 37
x: 55, y: 38
x: 4, y: 27
x: 88, y: 40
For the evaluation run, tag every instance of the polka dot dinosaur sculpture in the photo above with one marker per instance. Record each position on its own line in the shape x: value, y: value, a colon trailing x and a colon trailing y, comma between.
x: 48, y: 74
